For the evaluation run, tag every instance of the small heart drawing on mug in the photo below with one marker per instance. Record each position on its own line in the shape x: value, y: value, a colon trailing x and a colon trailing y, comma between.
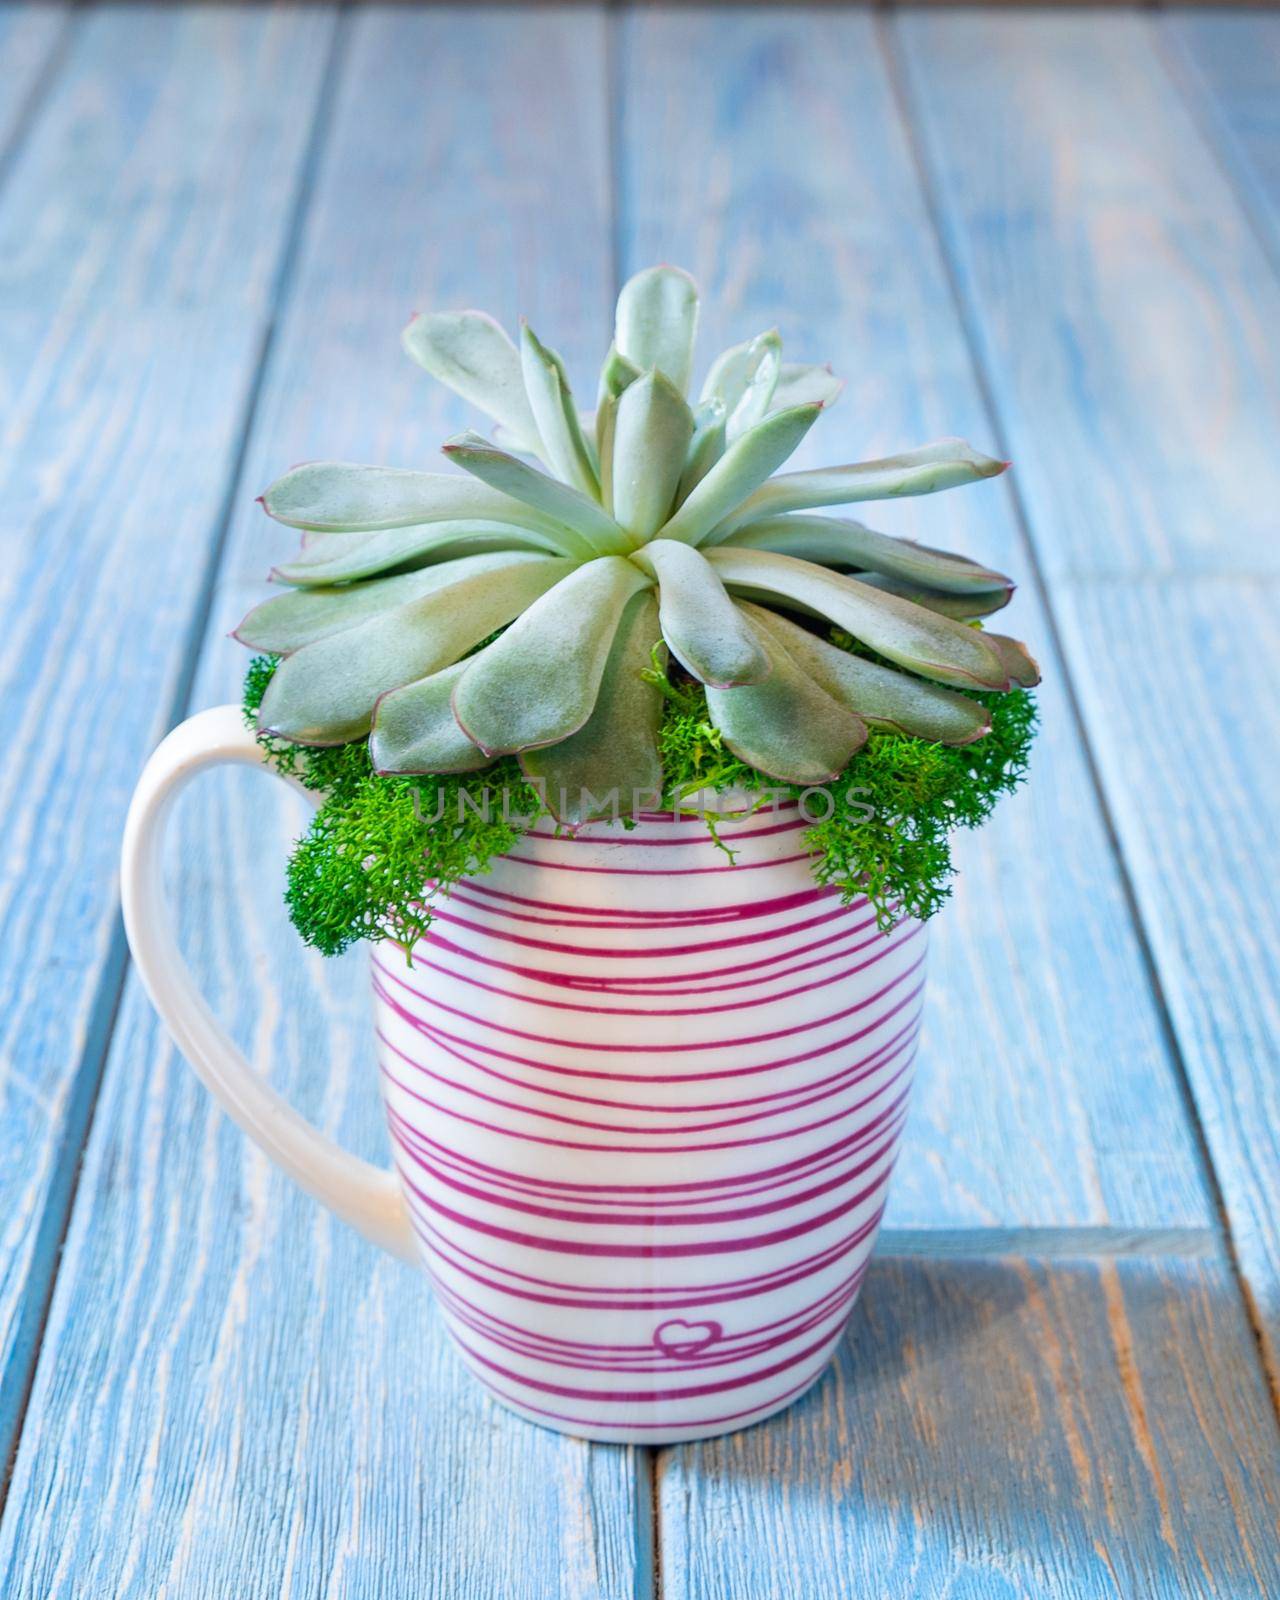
x: 680, y: 1338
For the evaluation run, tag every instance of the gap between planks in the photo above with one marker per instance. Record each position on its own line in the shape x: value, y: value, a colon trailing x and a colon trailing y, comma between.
x: 1054, y: 1244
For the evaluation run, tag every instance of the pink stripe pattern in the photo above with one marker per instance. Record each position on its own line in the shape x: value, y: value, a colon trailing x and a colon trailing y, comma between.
x: 644, y: 1103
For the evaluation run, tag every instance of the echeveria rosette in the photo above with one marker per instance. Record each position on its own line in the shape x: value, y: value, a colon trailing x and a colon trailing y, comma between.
x: 519, y: 607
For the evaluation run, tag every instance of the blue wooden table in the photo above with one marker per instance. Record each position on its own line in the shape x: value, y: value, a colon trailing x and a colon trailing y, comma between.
x: 1056, y: 233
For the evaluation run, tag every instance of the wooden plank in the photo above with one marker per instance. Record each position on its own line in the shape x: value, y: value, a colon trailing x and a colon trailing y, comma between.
x: 29, y: 38
x: 1181, y: 713
x: 1232, y: 61
x: 136, y: 270
x: 1000, y: 1428
x: 1046, y: 1096
x: 1120, y: 299
x: 1202, y: 851
x: 235, y: 1395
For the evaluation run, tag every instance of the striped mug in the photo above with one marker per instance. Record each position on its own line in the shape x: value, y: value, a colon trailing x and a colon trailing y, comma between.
x: 643, y: 1103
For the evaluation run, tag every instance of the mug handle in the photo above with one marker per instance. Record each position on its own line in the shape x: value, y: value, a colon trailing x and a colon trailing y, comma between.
x: 366, y: 1196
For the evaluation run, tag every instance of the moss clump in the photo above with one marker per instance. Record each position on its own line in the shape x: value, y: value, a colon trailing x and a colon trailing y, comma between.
x: 882, y: 830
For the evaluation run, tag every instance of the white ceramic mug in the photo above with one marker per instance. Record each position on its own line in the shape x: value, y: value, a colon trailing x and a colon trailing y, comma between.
x: 644, y: 1102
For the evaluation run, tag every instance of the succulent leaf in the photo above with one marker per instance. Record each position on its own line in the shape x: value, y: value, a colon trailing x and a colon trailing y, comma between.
x: 746, y: 463
x: 415, y: 730
x: 470, y: 353
x: 651, y: 434
x: 657, y: 319
x: 728, y: 375
x: 743, y: 380
x: 787, y: 726
x: 616, y: 749
x: 800, y: 385
x: 292, y: 620
x: 880, y: 696
x: 340, y: 557
x: 654, y: 525
x: 606, y: 427
x: 616, y: 374
x: 920, y: 640
x: 538, y: 683
x: 707, y: 633
x: 834, y: 541
x: 1018, y: 662
x: 963, y: 607
x: 705, y: 448
x: 756, y: 401
x: 945, y: 464
x: 325, y: 692
x: 564, y: 447
x: 342, y: 497
x: 559, y: 501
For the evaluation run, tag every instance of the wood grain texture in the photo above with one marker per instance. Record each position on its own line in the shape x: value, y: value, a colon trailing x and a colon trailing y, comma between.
x: 136, y: 269
x: 1000, y: 1428
x: 29, y: 38
x: 1186, y: 734
x: 764, y: 150
x: 1120, y: 299
x: 1193, y: 765
x: 1232, y: 62
x: 236, y: 1396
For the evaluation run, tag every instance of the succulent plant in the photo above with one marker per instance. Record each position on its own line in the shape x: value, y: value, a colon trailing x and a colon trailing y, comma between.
x: 526, y: 606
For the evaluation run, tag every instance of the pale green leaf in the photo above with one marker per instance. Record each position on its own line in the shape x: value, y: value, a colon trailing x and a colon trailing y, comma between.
x: 755, y: 402
x: 615, y: 752
x: 587, y: 427
x: 657, y: 320
x: 743, y: 377
x: 705, y: 448
x: 799, y: 385
x: 963, y: 607
x: 728, y: 375
x: 290, y: 621
x: 880, y: 695
x: 787, y: 726
x: 651, y: 434
x: 415, y: 730
x: 560, y: 501
x: 945, y: 464
x: 1018, y: 661
x: 508, y: 441
x: 932, y: 645
x: 746, y: 463
x: 606, y: 425
x: 546, y: 383
x: 615, y: 375
x: 538, y: 682
x: 325, y: 693
x: 340, y: 557
x: 340, y: 496
x: 834, y: 541
x: 471, y: 353
x: 705, y: 630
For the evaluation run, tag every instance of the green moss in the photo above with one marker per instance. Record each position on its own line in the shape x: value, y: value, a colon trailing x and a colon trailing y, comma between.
x: 359, y: 870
